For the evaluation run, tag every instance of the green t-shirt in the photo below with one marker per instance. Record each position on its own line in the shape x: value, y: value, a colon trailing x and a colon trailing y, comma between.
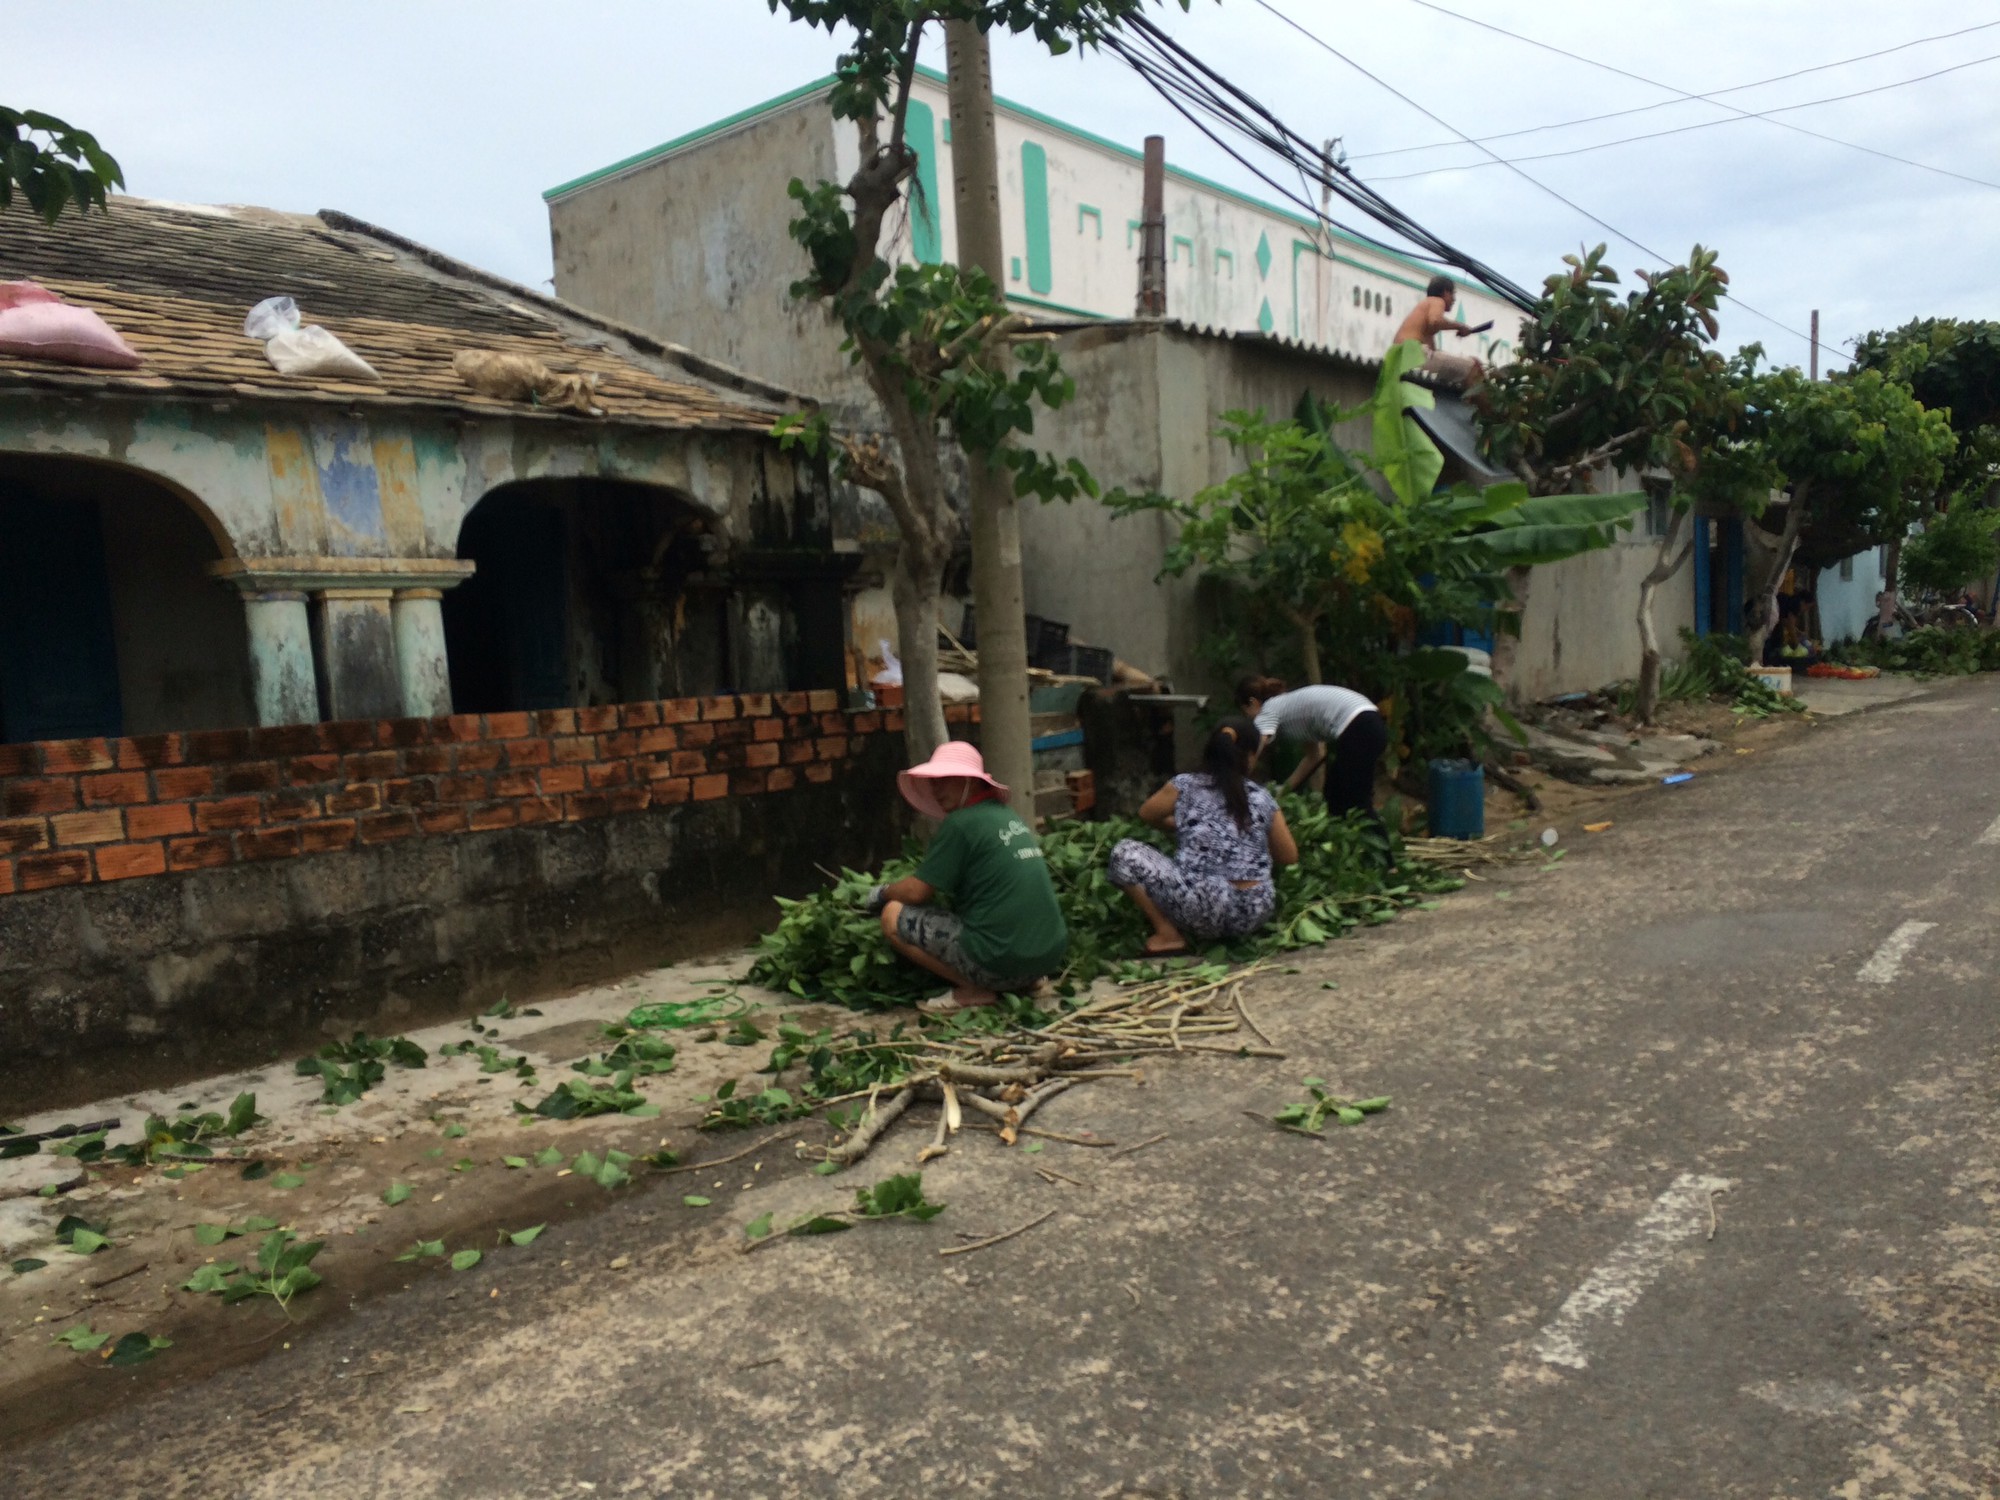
x: 990, y: 864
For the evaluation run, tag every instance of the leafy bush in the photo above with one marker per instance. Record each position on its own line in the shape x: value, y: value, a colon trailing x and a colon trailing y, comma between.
x: 1927, y: 652
x: 1720, y: 658
x: 1953, y: 550
x: 827, y: 947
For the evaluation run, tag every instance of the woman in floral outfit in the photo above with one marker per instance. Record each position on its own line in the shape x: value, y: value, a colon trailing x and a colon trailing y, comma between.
x: 1230, y: 833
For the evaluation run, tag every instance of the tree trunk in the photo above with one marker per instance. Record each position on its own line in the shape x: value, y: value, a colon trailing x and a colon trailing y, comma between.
x: 915, y: 585
x: 1309, y: 649
x: 1767, y: 594
x: 1664, y: 567
x: 1506, y: 644
x: 1892, y: 567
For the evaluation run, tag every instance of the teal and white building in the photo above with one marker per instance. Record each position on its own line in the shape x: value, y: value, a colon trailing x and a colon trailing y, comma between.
x: 689, y: 239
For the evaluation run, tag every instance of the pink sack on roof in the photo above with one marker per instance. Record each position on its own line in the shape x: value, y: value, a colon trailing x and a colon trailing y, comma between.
x: 37, y: 324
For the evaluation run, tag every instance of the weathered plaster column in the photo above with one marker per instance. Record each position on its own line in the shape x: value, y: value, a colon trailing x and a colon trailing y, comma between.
x: 421, y: 665
x: 282, y: 680
x: 357, y: 661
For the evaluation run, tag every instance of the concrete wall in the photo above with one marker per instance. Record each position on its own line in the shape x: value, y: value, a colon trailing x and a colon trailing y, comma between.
x: 695, y: 248
x: 241, y: 889
x: 1846, y: 605
x: 1580, y: 629
x: 1145, y: 418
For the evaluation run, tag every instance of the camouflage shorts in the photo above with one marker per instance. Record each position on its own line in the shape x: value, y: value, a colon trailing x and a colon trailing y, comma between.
x: 940, y: 934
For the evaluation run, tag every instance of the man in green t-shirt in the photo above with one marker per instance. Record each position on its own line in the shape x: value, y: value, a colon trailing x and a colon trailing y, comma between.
x: 1005, y: 930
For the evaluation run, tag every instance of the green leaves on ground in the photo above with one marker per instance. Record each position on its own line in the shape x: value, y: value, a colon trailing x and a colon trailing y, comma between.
x: 548, y: 1156
x: 283, y: 1269
x: 897, y: 1197
x: 608, y: 1171
x: 695, y: 1200
x: 350, y: 1068
x: 636, y: 1056
x: 465, y: 1260
x: 214, y: 1234
x: 396, y: 1192
x: 1929, y: 651
x: 490, y: 1060
x: 137, y: 1348
x: 523, y: 1236
x: 423, y: 1250
x: 1307, y: 1116
x: 81, y: 1236
x: 765, y: 1107
x: 900, y: 1197
x: 26, y: 1264
x: 185, y: 1134
x: 131, y: 1349
x: 576, y: 1098
x: 827, y: 948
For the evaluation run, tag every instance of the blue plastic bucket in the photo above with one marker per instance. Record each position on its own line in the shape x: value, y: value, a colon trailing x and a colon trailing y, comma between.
x: 1458, y: 800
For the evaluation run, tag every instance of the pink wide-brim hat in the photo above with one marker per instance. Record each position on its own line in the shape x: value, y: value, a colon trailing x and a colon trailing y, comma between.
x: 952, y: 758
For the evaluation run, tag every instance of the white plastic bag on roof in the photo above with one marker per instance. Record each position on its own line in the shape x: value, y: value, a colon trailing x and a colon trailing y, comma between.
x: 308, y: 350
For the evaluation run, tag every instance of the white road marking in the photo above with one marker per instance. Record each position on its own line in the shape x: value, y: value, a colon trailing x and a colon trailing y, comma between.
x: 1612, y: 1290
x: 1992, y: 834
x: 1887, y: 961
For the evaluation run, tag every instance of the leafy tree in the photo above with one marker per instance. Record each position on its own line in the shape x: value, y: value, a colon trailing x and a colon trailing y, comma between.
x: 53, y: 164
x: 942, y: 355
x: 1605, y: 382
x: 1953, y: 366
x: 1352, y: 557
x: 1860, y: 456
x: 1956, y: 549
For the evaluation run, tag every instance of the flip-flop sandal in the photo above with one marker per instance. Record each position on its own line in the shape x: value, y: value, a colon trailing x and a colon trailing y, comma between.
x: 947, y: 1005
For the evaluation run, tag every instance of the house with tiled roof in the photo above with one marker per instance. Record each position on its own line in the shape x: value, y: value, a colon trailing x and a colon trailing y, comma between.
x: 244, y: 547
x: 393, y: 686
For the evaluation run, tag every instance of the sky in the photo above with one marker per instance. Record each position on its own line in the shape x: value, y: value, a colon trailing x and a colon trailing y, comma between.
x: 446, y: 122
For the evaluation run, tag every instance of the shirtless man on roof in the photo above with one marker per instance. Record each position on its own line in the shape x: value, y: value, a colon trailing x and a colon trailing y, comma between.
x: 1431, y: 317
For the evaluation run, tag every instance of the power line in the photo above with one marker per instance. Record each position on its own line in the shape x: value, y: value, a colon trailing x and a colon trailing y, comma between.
x: 1201, y: 94
x: 1738, y: 114
x: 1737, y: 119
x: 1709, y: 97
x: 1534, y: 182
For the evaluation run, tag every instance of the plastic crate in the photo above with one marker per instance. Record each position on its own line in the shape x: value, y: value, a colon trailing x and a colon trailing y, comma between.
x: 1088, y: 661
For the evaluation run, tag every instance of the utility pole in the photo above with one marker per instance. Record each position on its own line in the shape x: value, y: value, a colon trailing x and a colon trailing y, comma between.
x: 1153, y: 230
x: 1004, y: 732
x: 1814, y: 373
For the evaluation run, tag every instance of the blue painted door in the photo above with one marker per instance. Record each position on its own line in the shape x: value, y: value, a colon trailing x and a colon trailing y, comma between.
x: 58, y: 660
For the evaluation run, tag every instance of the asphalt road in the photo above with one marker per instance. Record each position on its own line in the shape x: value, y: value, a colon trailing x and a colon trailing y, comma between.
x: 1689, y: 1189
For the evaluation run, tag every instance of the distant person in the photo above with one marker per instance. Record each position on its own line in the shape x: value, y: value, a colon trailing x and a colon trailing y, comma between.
x: 1322, y: 716
x: 1431, y: 317
x: 1229, y: 834
x: 1005, y: 930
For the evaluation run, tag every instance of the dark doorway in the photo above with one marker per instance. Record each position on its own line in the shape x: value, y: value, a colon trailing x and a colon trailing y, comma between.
x: 507, y: 626
x: 110, y: 621
x: 58, y: 659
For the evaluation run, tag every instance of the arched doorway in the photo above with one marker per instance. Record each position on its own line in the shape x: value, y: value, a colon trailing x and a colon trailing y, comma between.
x: 585, y: 591
x: 110, y: 622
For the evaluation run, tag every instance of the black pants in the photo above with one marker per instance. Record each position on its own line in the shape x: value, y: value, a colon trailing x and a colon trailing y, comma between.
x: 1350, y: 767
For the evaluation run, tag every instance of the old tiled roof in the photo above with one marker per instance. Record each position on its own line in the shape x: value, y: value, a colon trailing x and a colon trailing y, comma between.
x: 176, y: 281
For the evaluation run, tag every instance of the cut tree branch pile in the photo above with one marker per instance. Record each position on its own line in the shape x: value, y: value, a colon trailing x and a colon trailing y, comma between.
x: 1007, y: 1075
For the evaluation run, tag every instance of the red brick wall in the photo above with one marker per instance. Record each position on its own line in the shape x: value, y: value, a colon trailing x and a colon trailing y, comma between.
x: 77, y: 811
